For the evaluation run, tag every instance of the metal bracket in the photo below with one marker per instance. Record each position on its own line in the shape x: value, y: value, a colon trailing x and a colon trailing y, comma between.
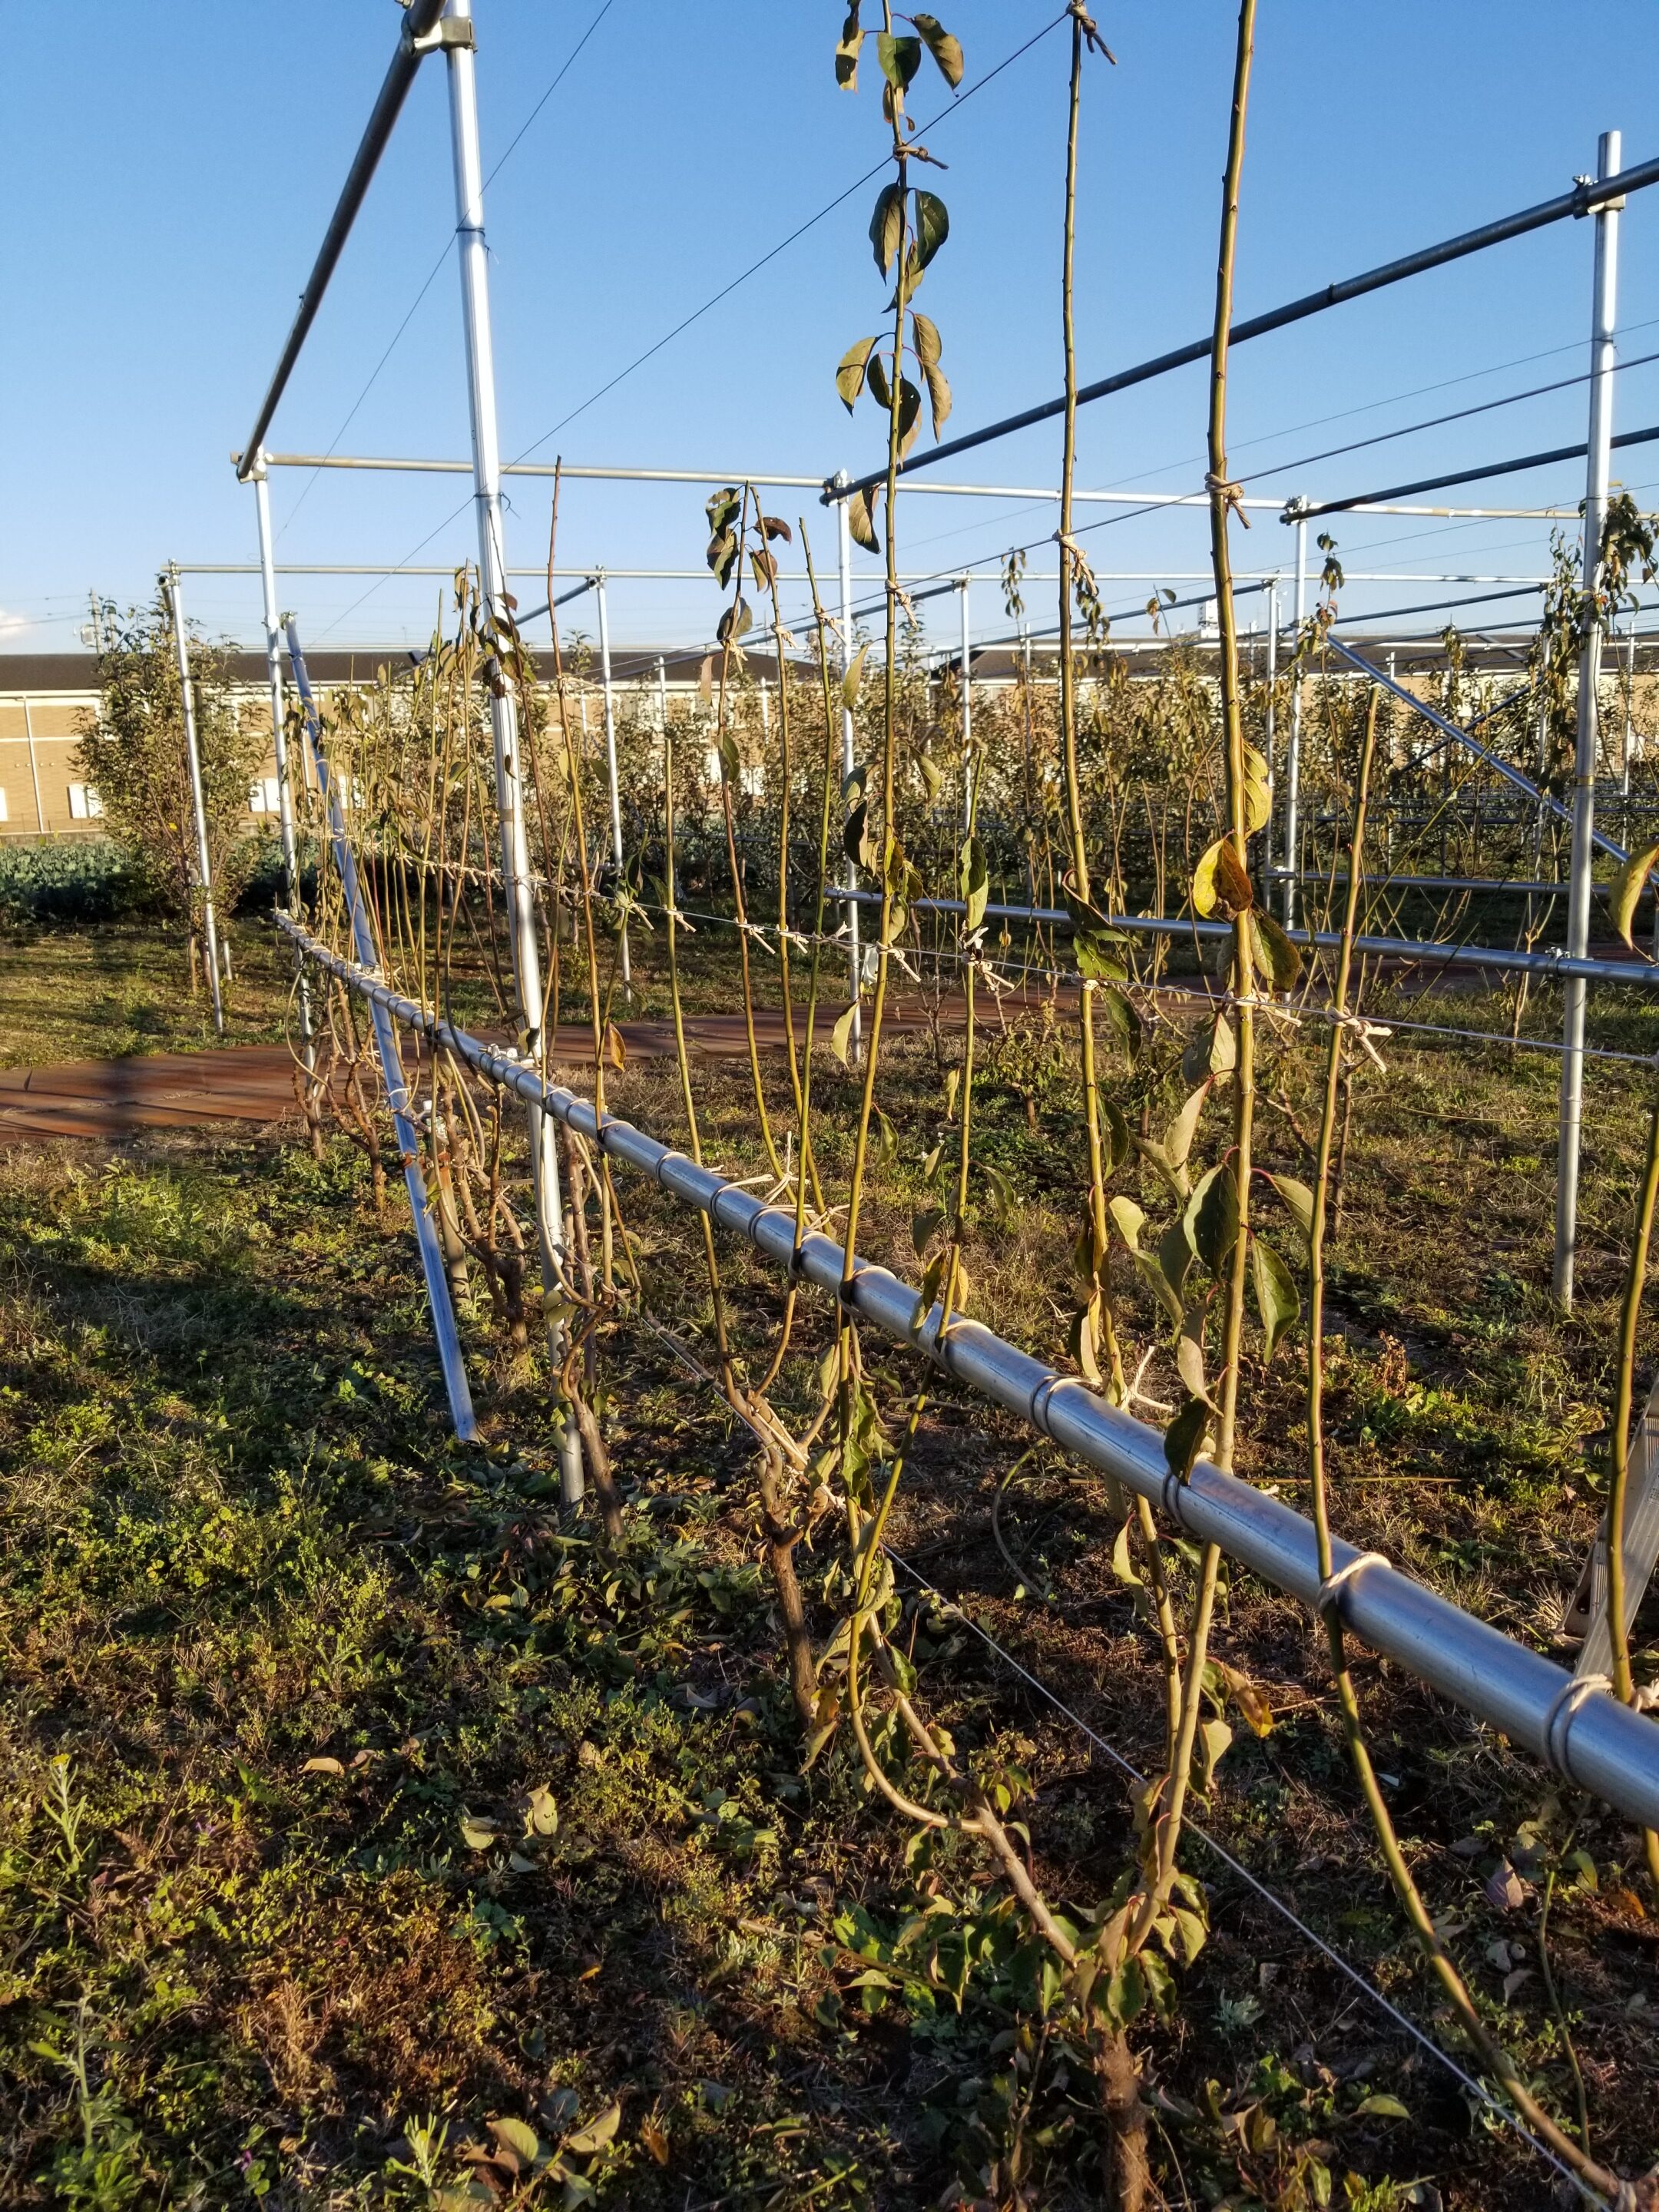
x: 448, y: 31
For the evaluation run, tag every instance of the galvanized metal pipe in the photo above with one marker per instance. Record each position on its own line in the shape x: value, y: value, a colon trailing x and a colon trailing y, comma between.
x: 520, y: 898
x: 855, y: 958
x: 1583, y: 1735
x: 1584, y: 199
x: 1491, y: 958
x: 193, y: 755
x: 611, y: 759
x: 1603, y: 314
x: 279, y: 741
x: 967, y: 709
x: 392, y: 1071
x: 1293, y: 750
x: 1451, y: 730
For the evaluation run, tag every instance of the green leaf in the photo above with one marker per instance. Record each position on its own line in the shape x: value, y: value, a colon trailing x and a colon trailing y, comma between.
x: 1216, y: 1739
x: 1627, y: 890
x: 861, y: 518
x: 1276, y: 1298
x: 938, y: 395
x: 1117, y: 1133
x: 1189, y: 1365
x: 855, y: 836
x: 880, y: 390
x: 1130, y: 1218
x: 514, y: 2136
x: 1152, y: 1274
x: 841, y: 1037
x: 1212, y: 1217
x: 910, y: 414
x: 1183, y: 1439
x: 1123, y: 1565
x: 1211, y: 1050
x: 849, y: 371
x: 1119, y: 1010
x: 1297, y: 1198
x: 1220, y: 885
x: 933, y: 227
x: 899, y: 59
x: 1178, y: 1137
x: 1257, y: 803
x: 1176, y: 1260
x: 924, y: 1227
x: 946, y: 50
x: 596, y: 2135
x: 975, y: 879
x: 850, y: 681
x: 1277, y: 960
x: 887, y: 225
x: 925, y: 333
x: 1379, y: 2106
x: 737, y: 622
x: 847, y: 50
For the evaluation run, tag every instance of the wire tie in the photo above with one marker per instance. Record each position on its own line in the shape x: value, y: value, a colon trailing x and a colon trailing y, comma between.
x: 1563, y: 1711
x: 1038, y: 1406
x: 1329, y: 1593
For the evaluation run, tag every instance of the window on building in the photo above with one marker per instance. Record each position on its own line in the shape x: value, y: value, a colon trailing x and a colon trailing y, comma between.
x: 85, y: 804
x: 5, y: 812
x: 261, y: 796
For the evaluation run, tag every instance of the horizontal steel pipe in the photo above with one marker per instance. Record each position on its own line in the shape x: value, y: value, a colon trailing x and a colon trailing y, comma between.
x: 1585, y: 1734
x: 1584, y: 199
x: 1492, y: 957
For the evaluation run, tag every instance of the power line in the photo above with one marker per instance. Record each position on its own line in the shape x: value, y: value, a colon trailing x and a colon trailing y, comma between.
x: 448, y: 244
x: 714, y: 301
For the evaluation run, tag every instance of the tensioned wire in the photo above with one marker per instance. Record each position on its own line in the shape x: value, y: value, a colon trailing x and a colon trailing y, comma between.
x: 714, y: 298
x: 432, y: 275
x: 1469, y: 2083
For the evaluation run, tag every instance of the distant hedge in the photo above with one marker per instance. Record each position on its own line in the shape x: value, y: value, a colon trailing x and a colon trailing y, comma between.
x: 83, y: 879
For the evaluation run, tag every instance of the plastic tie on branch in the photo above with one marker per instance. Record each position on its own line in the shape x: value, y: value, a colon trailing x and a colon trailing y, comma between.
x: 1362, y: 1032
x: 1327, y: 1599
x: 1231, y: 494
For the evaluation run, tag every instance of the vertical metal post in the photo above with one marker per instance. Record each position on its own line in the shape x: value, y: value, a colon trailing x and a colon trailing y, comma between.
x: 844, y: 549
x: 1269, y: 730
x: 279, y: 739
x: 662, y: 694
x: 967, y: 690
x: 473, y: 257
x: 1603, y: 313
x: 1293, y: 750
x: 392, y: 1074
x: 1630, y: 704
x: 204, y: 861
x: 610, y: 758
x: 34, y: 766
x: 766, y: 714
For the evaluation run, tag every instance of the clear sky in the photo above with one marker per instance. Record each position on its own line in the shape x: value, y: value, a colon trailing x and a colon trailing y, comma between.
x: 171, y: 170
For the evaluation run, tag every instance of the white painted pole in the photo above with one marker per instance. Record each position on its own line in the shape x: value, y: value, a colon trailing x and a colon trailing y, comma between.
x: 1269, y: 730
x: 1293, y: 751
x: 967, y: 709
x: 279, y: 740
x: 34, y: 765
x: 192, y: 751
x: 473, y: 257
x: 1603, y: 313
x: 844, y: 545
x: 610, y: 756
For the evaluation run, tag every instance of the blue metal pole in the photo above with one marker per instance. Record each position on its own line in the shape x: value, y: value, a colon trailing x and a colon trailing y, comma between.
x: 392, y: 1074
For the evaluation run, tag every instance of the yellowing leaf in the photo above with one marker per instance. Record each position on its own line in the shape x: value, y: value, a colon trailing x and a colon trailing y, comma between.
x: 1627, y: 890
x: 514, y: 2135
x: 478, y: 1834
x: 596, y: 2135
x: 841, y: 1037
x: 322, y: 1766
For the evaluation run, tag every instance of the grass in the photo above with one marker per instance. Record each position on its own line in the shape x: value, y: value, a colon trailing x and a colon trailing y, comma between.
x: 363, y: 1818
x: 117, y: 988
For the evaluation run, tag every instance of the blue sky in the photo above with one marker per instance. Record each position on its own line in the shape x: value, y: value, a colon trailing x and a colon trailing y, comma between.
x: 175, y: 170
